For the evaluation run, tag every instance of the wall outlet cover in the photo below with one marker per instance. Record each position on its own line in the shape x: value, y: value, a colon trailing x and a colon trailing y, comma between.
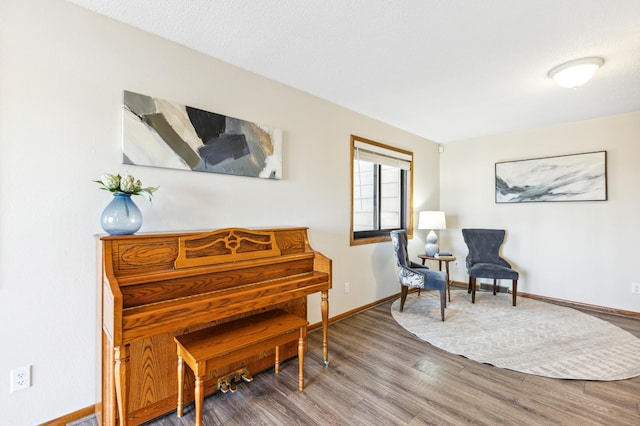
x: 20, y: 378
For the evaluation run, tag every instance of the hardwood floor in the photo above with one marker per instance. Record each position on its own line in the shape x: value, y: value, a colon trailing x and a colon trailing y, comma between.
x: 380, y: 374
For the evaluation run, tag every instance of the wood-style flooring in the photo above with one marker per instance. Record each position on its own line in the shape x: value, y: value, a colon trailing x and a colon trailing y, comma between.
x: 380, y: 374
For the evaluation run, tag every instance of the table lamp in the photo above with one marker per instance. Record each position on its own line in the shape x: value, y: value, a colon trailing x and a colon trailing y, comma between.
x: 431, y: 220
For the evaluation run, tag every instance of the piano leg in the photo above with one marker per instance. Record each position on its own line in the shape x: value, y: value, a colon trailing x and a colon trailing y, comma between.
x: 325, y: 326
x: 122, y: 380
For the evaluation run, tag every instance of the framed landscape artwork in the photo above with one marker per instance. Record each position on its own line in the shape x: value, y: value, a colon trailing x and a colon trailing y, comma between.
x: 161, y: 133
x: 576, y: 177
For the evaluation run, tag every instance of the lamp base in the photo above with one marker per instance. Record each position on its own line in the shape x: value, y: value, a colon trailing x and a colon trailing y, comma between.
x: 431, y: 249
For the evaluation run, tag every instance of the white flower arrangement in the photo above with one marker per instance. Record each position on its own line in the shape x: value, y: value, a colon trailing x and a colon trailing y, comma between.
x: 126, y: 184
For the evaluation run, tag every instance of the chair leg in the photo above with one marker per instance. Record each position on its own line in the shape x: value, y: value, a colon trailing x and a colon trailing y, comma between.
x: 473, y: 290
x: 494, y: 286
x: 443, y: 302
x: 403, y: 296
x: 515, y: 291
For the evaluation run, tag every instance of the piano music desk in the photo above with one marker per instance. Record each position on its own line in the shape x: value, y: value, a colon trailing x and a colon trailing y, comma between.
x: 222, y: 345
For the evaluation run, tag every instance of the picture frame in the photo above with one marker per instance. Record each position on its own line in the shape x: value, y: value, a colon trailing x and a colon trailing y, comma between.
x: 572, y: 177
x: 161, y: 133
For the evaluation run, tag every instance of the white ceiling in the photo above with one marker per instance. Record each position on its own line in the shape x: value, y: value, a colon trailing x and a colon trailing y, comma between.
x: 443, y: 69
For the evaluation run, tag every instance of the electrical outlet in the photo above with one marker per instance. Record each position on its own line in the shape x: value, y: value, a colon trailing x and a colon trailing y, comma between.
x: 635, y: 288
x: 20, y: 378
x: 346, y: 288
x: 457, y: 264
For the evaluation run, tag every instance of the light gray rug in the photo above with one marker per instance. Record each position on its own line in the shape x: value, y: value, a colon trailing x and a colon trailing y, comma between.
x: 534, y: 337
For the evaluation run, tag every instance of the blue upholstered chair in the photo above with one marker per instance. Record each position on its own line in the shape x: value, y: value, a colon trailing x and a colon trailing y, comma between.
x: 413, y: 275
x: 484, y: 261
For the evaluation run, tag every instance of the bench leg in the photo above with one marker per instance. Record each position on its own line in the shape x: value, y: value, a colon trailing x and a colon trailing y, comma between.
x: 277, y: 366
x: 199, y: 399
x: 301, y: 346
x: 180, y: 386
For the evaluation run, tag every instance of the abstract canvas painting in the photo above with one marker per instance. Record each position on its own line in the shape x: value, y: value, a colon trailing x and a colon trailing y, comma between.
x: 576, y: 177
x: 160, y: 133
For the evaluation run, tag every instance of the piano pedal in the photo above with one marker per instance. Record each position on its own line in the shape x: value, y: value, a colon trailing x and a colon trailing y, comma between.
x: 228, y: 383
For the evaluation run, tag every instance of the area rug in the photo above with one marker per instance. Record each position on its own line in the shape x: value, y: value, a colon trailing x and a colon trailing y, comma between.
x: 533, y: 337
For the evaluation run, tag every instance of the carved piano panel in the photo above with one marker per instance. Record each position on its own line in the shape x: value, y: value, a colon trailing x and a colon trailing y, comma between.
x: 160, y: 285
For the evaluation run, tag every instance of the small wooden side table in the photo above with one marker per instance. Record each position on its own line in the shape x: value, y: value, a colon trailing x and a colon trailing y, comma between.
x: 440, y: 259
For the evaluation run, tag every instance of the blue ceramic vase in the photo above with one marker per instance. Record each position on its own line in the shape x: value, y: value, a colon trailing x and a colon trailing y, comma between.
x: 121, y: 216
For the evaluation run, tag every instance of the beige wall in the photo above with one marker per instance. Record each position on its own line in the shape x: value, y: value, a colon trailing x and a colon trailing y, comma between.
x: 62, y: 74
x: 580, y: 251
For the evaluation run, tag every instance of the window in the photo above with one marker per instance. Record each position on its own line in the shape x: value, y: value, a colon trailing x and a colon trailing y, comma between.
x: 381, y: 188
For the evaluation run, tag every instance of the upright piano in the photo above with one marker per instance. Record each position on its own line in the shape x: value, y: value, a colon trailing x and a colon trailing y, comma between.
x: 156, y: 286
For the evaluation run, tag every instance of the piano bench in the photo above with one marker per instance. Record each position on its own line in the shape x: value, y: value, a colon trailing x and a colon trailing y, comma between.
x: 224, y: 344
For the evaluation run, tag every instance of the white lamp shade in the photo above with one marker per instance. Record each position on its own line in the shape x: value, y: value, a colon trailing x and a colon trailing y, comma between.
x: 431, y: 220
x: 575, y: 73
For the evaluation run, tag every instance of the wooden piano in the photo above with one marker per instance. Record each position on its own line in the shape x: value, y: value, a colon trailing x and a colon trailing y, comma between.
x: 157, y: 286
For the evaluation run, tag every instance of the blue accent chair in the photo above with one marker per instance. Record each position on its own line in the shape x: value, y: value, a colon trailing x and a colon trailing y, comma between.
x: 414, y: 275
x: 484, y: 261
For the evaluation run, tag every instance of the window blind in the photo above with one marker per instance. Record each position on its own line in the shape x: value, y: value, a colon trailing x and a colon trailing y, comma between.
x: 379, y: 155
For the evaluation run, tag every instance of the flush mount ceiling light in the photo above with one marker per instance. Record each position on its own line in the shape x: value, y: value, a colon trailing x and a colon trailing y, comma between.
x: 575, y: 73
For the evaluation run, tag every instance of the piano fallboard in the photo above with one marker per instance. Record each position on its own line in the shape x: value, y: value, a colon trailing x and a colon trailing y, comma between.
x: 149, y: 320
